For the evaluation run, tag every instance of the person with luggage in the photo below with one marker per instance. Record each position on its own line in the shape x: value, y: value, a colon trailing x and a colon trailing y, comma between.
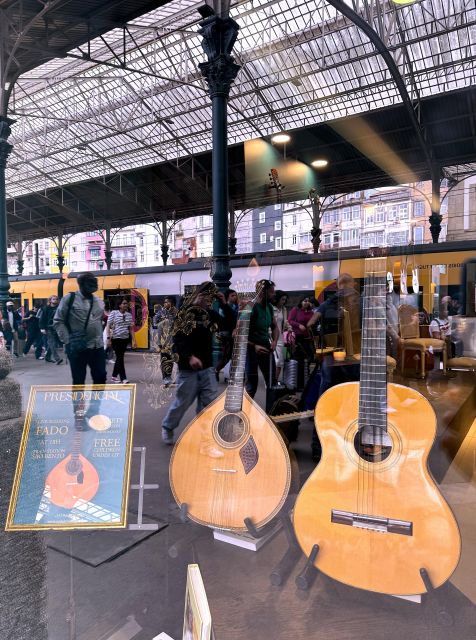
x: 298, y: 319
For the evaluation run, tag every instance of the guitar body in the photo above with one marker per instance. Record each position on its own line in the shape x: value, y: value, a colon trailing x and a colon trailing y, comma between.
x: 72, y: 480
x: 399, y: 487
x: 230, y: 466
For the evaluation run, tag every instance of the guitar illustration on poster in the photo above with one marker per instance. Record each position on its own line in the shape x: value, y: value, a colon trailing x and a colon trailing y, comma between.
x: 75, y: 478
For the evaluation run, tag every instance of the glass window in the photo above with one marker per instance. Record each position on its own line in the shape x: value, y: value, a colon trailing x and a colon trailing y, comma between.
x: 356, y: 212
x: 141, y: 256
x: 156, y: 255
x: 262, y: 238
x: 346, y: 213
x: 379, y: 213
x: 294, y: 239
x: 156, y: 239
x: 369, y: 216
x: 418, y: 235
x: 262, y: 216
x: 277, y: 243
x: 294, y: 220
x: 403, y: 211
x: 277, y: 225
x: 418, y: 209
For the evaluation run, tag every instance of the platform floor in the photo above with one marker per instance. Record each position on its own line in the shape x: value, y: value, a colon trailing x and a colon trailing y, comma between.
x: 141, y: 593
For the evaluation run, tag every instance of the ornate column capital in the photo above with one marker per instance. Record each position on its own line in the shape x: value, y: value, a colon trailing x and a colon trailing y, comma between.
x: 5, y: 147
x: 220, y: 272
x: 219, y: 36
x: 435, y: 225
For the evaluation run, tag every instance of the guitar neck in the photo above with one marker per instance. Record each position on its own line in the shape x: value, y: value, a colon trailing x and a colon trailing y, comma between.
x: 235, y: 389
x: 79, y: 426
x: 373, y: 363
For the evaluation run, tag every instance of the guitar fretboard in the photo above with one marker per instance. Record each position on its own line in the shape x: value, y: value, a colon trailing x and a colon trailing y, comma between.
x: 373, y: 363
x: 234, y: 392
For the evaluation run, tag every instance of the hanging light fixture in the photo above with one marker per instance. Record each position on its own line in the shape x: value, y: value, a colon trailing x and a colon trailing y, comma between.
x: 319, y: 163
x: 280, y: 138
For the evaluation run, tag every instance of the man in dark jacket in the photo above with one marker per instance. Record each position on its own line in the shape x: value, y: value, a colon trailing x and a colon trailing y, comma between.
x: 193, y: 334
x: 33, y: 333
x: 47, y: 328
x: 81, y: 313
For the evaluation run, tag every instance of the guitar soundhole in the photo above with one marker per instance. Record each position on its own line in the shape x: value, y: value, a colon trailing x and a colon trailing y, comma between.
x: 231, y: 428
x: 73, y: 467
x: 376, y: 452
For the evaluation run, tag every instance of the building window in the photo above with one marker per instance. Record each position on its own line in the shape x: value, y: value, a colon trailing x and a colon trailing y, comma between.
x: 350, y: 237
x: 392, y: 213
x: 277, y: 225
x: 294, y: 239
x: 262, y: 217
x: 418, y: 235
x: 356, y: 212
x: 141, y: 256
x: 369, y: 216
x: 346, y: 213
x: 444, y: 207
x: 156, y: 239
x: 262, y: 238
x: 418, y: 209
x: 379, y: 213
x: 403, y: 211
x: 200, y: 222
x: 294, y: 220
x: 141, y: 241
x: 397, y: 238
x: 373, y: 239
x: 444, y: 229
x: 327, y: 239
x: 277, y: 243
x: 156, y: 255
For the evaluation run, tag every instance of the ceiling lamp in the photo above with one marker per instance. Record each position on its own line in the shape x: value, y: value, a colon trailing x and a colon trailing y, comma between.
x: 320, y: 163
x: 281, y: 138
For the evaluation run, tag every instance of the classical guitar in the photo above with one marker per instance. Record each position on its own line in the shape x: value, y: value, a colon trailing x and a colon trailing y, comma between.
x: 371, y: 504
x: 230, y: 463
x: 74, y: 478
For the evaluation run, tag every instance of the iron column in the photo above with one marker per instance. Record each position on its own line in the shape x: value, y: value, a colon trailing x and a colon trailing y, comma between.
x: 436, y: 217
x: 5, y: 150
x: 219, y: 36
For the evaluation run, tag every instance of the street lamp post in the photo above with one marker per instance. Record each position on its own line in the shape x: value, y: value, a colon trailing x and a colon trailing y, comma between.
x: 219, y: 36
x: 316, y: 220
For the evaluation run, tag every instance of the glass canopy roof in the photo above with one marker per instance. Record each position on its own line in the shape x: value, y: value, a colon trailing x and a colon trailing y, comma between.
x: 140, y: 98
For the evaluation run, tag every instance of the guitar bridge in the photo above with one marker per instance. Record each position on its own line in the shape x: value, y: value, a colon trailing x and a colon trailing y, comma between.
x: 373, y: 523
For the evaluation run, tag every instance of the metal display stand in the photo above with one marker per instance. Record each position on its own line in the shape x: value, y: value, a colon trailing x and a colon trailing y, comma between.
x: 141, y: 487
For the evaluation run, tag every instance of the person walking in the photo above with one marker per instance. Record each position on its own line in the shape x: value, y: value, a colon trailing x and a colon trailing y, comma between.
x: 48, y: 329
x: 78, y: 321
x: 34, y: 336
x: 120, y: 333
x: 193, y: 342
x: 298, y: 318
x: 226, y: 337
x: 262, y: 339
x: 281, y: 319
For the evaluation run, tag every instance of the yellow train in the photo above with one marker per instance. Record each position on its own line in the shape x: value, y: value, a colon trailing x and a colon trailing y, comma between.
x: 446, y: 268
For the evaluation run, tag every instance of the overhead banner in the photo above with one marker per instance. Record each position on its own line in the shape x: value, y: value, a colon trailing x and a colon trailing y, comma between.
x: 74, y: 462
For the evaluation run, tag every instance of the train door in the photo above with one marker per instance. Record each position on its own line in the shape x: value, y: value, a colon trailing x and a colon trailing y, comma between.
x: 138, y: 300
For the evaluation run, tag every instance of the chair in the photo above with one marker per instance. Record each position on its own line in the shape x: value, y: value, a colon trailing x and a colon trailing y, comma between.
x: 410, y: 333
x: 462, y: 362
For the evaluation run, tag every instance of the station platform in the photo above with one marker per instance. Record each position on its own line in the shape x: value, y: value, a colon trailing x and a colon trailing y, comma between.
x: 140, y: 592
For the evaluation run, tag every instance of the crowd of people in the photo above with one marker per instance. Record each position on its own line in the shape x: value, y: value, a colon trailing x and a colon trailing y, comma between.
x: 188, y: 336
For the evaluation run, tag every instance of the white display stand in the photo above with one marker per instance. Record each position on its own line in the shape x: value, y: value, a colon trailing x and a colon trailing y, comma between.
x: 246, y: 540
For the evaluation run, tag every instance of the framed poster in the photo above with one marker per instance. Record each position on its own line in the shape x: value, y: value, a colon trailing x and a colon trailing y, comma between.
x: 74, y: 461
